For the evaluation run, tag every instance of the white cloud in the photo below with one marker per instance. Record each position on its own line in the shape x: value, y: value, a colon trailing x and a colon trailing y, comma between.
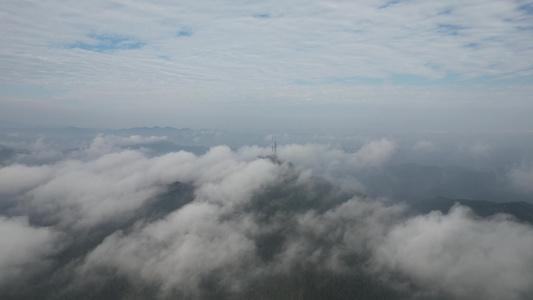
x: 179, y: 250
x: 24, y: 248
x: 522, y: 178
x: 334, y: 162
x: 217, y: 232
x: 103, y: 182
x: 16, y: 179
x: 461, y: 255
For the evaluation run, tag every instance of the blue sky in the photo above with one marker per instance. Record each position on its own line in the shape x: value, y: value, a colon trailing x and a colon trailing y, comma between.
x: 213, y: 63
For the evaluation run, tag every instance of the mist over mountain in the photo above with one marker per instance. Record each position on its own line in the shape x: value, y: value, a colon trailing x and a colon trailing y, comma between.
x: 521, y: 211
x: 266, y: 149
x: 411, y: 182
x: 143, y: 217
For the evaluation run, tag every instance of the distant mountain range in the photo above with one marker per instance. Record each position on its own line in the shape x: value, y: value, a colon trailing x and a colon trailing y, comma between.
x: 180, y: 136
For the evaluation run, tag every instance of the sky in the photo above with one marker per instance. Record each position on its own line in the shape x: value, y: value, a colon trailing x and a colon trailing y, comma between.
x: 397, y: 65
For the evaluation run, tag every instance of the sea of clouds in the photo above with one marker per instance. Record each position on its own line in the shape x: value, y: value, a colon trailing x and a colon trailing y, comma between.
x: 82, y: 219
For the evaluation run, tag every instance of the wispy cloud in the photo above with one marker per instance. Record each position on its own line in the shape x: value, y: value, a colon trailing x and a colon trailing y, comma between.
x: 260, y: 49
x: 107, y: 43
x: 360, y: 35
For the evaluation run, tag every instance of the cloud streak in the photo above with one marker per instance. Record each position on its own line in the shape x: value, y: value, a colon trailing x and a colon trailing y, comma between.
x: 226, y: 42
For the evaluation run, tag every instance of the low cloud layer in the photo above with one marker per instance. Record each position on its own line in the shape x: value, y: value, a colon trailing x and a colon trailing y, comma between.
x: 467, y: 257
x: 108, y: 222
x: 24, y: 248
x: 332, y: 162
x: 522, y: 178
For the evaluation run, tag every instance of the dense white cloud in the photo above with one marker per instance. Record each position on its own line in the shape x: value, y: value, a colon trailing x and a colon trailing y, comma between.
x: 461, y: 255
x: 237, y: 201
x: 20, y: 178
x: 181, y: 249
x: 103, y: 181
x: 217, y: 232
x: 330, y: 160
x: 24, y: 250
x: 337, y: 165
